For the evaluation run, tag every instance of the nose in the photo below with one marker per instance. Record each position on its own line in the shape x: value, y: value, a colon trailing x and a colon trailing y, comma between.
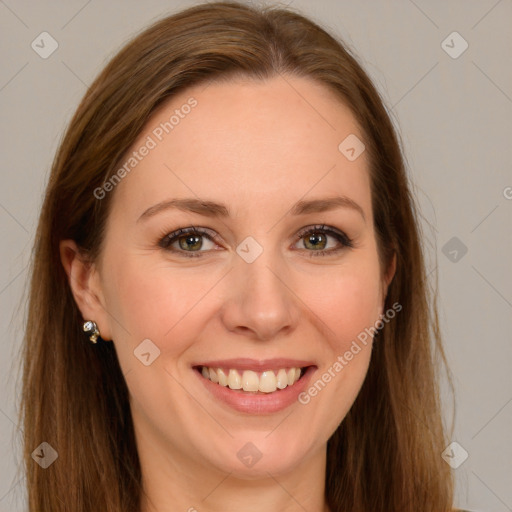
x: 261, y: 302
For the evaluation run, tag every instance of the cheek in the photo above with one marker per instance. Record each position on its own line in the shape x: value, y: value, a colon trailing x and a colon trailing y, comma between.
x: 349, y: 309
x: 348, y: 302
x: 158, y: 302
x: 169, y: 305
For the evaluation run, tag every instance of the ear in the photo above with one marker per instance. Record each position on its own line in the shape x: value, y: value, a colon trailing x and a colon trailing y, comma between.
x: 85, y: 284
x: 388, y: 277
x: 390, y: 273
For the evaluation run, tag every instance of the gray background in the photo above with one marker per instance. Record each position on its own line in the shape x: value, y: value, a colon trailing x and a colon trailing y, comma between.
x: 454, y: 115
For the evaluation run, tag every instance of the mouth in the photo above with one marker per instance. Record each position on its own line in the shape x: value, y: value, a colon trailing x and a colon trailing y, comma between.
x: 255, y: 387
x: 251, y: 381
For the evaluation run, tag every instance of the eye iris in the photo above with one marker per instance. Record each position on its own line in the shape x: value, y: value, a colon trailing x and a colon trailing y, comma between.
x: 195, y: 240
x: 316, y: 240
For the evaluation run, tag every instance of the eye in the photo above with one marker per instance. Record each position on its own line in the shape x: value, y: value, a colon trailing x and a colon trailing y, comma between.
x: 316, y: 238
x: 189, y: 241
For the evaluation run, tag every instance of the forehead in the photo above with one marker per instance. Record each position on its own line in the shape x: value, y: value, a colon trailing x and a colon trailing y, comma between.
x: 247, y: 141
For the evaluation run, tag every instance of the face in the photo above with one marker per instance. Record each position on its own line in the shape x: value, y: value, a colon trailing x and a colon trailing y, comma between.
x: 228, y: 247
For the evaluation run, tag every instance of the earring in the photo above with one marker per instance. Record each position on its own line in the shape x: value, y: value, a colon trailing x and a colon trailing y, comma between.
x: 91, y: 328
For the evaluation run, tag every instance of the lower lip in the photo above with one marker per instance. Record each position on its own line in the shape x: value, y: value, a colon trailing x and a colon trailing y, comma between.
x: 264, y: 403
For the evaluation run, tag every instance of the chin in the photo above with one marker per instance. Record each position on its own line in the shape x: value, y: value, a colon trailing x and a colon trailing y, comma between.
x: 251, y: 456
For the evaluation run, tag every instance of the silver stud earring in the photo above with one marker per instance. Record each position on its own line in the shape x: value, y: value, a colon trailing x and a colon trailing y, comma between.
x: 91, y: 328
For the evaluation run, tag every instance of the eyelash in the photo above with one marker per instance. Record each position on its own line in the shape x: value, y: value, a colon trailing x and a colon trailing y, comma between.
x: 166, y: 241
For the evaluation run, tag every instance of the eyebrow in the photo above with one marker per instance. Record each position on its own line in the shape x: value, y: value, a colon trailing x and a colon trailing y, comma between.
x: 219, y: 210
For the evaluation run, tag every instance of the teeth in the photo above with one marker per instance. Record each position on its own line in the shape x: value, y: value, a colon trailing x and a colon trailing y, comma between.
x: 223, y: 378
x: 282, y: 379
x: 213, y: 376
x: 293, y: 375
x: 267, y: 382
x: 234, y: 380
x: 248, y: 380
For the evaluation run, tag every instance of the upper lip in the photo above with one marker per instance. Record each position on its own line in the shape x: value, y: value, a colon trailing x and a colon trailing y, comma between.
x: 256, y: 364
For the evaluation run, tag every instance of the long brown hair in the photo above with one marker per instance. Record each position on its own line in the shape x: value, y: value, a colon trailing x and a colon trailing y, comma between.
x: 386, y: 454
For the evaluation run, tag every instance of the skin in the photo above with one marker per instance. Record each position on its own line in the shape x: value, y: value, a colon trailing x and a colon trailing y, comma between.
x: 257, y: 147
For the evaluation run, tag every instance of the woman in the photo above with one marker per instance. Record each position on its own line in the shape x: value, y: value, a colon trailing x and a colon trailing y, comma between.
x: 222, y: 366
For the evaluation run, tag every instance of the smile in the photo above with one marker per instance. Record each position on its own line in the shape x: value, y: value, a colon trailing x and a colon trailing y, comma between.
x: 251, y: 381
x: 255, y: 386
